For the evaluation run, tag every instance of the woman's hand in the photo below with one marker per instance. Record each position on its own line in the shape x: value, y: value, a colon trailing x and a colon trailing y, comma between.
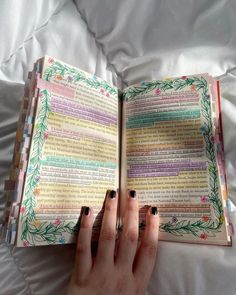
x: 127, y: 272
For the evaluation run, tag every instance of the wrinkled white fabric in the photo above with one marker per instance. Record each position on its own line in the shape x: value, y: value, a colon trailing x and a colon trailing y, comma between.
x: 148, y: 39
x: 136, y: 40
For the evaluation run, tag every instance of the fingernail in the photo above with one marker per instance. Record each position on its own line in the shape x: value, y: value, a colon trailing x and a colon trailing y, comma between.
x: 132, y: 194
x: 112, y: 194
x: 154, y: 211
x: 86, y: 210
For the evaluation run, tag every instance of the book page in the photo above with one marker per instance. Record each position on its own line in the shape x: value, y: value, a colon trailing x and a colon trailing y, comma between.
x: 73, y: 156
x: 171, y: 158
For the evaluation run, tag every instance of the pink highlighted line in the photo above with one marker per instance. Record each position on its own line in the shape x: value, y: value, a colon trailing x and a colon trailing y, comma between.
x: 56, y: 88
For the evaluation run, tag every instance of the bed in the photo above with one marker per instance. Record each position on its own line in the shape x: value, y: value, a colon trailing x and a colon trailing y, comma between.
x: 123, y: 42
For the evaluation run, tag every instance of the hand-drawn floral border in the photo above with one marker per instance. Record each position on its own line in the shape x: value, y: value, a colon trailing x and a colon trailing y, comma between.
x: 34, y: 230
x: 204, y: 227
x: 60, y: 71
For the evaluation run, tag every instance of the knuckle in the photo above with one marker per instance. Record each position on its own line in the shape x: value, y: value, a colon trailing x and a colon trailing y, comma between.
x: 132, y: 236
x: 150, y: 249
x: 140, y: 290
x: 81, y: 249
x: 121, y: 285
x: 152, y: 225
x: 132, y: 207
x: 107, y: 235
x: 109, y: 207
x: 85, y: 224
x: 102, y: 283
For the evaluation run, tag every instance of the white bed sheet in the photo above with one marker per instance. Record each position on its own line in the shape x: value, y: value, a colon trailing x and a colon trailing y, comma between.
x: 136, y: 40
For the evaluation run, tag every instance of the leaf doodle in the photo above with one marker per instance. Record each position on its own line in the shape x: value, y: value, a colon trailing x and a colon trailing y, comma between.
x: 62, y: 71
x: 33, y: 231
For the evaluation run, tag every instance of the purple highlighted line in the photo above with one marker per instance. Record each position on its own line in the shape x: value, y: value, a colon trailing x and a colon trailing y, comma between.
x: 169, y: 165
x: 77, y: 113
x: 73, y: 105
x: 78, y: 136
x: 160, y: 170
x: 174, y: 152
x: 156, y: 174
x: 141, y: 152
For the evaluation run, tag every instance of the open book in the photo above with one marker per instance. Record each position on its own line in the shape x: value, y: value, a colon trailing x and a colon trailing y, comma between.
x: 78, y: 136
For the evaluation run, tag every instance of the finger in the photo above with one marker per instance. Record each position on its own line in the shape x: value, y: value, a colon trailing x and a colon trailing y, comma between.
x: 129, y: 236
x: 83, y: 248
x: 107, y: 237
x: 146, y: 255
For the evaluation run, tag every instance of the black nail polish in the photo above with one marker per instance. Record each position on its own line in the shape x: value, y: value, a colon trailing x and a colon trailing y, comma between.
x: 86, y: 210
x: 132, y: 194
x: 112, y: 194
x: 154, y: 211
